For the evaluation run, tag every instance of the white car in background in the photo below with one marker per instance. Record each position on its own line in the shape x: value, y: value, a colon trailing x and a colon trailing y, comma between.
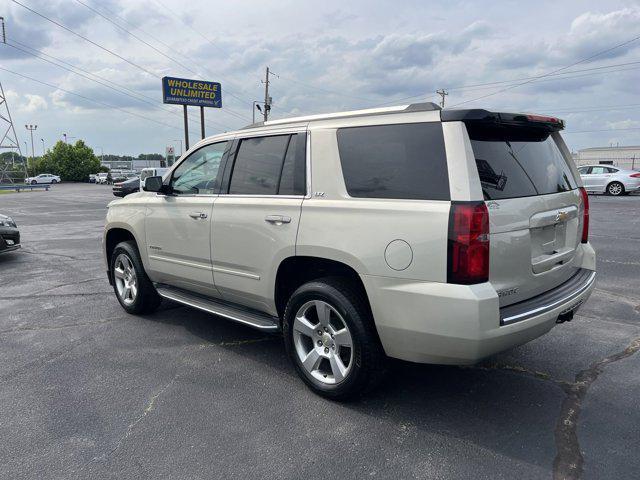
x: 42, y: 178
x: 150, y: 172
x: 101, y: 177
x: 609, y: 179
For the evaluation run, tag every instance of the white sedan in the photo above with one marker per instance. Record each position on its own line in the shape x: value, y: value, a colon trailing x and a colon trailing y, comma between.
x: 609, y: 179
x: 42, y: 178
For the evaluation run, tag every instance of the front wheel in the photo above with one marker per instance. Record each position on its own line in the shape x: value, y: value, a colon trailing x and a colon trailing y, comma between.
x: 54, y: 181
x: 331, y: 340
x: 132, y: 287
x: 615, y: 189
x: 33, y: 182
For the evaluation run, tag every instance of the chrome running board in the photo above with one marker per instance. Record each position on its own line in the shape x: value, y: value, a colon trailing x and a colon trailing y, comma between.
x: 246, y: 316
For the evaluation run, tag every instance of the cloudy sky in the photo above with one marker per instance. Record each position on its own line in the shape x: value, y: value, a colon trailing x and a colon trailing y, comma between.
x: 328, y: 56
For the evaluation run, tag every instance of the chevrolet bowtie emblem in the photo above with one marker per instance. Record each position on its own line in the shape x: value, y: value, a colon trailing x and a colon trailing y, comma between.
x: 561, y: 216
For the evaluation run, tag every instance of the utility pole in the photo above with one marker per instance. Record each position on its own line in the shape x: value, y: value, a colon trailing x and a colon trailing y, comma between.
x: 31, y: 128
x: 443, y: 93
x: 266, y: 96
x: 43, y: 149
x: 267, y: 99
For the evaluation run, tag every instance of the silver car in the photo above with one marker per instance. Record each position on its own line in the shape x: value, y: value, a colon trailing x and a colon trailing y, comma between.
x: 609, y: 179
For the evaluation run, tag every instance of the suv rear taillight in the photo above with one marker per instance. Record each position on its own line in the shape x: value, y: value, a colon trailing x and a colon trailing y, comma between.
x: 635, y: 175
x: 468, y: 246
x: 585, y: 215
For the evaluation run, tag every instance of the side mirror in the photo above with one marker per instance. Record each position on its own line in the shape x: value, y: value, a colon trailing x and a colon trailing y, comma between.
x: 153, y: 184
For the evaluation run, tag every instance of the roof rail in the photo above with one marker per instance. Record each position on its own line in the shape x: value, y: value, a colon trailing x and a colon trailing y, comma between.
x: 414, y: 107
x: 422, y: 107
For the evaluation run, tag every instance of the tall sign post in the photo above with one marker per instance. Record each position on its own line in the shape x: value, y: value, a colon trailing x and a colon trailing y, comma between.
x: 197, y: 93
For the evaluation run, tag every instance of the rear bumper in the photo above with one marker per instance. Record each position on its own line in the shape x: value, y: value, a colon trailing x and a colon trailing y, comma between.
x: 632, y: 187
x: 441, y: 323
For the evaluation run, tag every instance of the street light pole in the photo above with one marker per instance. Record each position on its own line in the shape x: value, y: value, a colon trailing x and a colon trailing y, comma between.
x: 31, y: 128
x: 43, y: 149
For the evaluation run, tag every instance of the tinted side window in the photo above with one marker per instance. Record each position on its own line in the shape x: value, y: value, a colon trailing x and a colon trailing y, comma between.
x: 256, y: 170
x: 404, y: 161
x: 293, y: 178
x: 198, y: 173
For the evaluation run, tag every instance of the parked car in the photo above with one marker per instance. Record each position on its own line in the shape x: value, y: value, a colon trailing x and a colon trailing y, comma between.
x: 609, y: 179
x: 92, y: 178
x: 122, y: 189
x: 151, y: 172
x: 101, y: 178
x: 427, y: 235
x: 42, y: 178
x: 9, y: 234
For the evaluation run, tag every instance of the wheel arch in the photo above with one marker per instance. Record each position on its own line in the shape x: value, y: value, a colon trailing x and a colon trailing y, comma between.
x: 113, y: 236
x: 294, y: 271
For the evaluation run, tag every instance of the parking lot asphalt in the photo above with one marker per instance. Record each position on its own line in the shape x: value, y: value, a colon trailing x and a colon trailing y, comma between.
x: 88, y: 391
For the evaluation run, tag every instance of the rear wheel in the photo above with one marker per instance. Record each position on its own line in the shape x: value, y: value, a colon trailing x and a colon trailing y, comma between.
x: 331, y: 340
x: 615, y: 189
x: 132, y: 287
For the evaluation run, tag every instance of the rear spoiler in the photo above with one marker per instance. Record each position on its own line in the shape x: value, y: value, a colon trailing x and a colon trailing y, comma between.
x: 483, y: 118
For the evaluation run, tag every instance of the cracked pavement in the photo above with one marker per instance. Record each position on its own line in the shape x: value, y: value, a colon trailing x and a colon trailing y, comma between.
x: 87, y: 391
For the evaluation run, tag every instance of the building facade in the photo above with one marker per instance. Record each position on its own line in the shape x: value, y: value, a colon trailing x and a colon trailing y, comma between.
x: 623, y: 157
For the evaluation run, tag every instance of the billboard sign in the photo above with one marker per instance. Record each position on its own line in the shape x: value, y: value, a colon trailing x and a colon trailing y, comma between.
x: 198, y: 93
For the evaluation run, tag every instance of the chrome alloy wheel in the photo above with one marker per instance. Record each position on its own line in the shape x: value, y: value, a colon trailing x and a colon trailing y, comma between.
x: 615, y: 189
x: 323, y: 342
x: 126, y: 280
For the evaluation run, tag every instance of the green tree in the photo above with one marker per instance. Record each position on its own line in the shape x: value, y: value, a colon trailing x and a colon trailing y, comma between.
x: 71, y: 162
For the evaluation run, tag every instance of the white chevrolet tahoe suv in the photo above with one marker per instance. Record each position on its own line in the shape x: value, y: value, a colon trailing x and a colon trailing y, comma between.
x: 427, y: 235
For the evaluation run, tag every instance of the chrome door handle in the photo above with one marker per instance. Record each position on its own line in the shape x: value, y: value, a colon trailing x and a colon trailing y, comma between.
x: 277, y: 219
x: 197, y: 215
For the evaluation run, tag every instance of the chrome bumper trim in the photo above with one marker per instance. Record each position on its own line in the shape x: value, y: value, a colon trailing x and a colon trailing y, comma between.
x: 530, y: 308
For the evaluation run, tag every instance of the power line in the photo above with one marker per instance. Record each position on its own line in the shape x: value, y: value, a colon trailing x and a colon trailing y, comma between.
x: 597, y: 54
x: 86, y: 39
x: 104, y: 104
x: 603, y: 130
x: 137, y: 37
x: 601, y: 108
x: 189, y: 69
x: 105, y: 82
x: 321, y: 89
x: 212, y: 43
x: 563, y: 76
x: 140, y: 67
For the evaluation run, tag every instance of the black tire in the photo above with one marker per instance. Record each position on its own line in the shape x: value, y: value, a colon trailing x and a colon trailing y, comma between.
x: 617, y: 187
x: 54, y: 181
x: 147, y: 299
x: 33, y: 182
x: 368, y: 361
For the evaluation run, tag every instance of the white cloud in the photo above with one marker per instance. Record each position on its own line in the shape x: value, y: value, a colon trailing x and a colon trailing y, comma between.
x: 33, y: 103
x: 346, y: 55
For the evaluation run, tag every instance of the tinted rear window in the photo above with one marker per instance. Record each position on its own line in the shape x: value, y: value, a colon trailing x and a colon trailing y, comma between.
x: 404, y: 161
x: 515, y: 168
